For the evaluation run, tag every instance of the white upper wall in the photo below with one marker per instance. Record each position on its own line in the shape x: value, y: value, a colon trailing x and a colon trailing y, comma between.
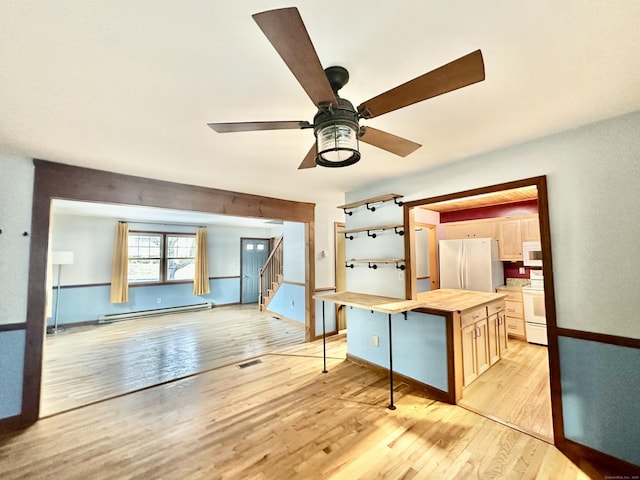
x: 593, y: 178
x: 16, y: 196
x: 293, y: 255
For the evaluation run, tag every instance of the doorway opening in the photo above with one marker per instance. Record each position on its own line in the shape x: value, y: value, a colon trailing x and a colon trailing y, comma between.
x: 340, y: 272
x: 254, y: 252
x: 164, y: 332
x: 516, y: 390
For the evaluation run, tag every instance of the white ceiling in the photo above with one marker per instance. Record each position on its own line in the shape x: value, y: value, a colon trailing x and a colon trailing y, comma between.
x: 128, y: 86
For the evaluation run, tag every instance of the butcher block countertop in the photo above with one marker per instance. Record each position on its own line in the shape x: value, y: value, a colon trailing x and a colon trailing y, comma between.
x: 445, y: 299
x: 371, y: 302
x: 452, y: 300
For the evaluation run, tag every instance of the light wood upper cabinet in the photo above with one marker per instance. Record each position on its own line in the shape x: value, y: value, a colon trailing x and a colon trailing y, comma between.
x: 510, y: 233
x: 530, y: 229
x: 474, y: 229
x: 510, y: 240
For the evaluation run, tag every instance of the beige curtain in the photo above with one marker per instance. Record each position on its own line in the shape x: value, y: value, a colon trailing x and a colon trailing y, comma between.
x: 120, y: 269
x: 201, y: 277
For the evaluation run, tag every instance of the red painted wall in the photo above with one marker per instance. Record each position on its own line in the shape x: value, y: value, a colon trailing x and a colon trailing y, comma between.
x: 527, y: 207
x: 512, y: 270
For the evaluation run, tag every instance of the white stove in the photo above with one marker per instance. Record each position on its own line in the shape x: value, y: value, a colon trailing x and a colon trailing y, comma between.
x: 534, y: 310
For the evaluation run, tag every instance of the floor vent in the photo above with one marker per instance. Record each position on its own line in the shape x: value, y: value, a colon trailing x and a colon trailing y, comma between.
x: 249, y: 364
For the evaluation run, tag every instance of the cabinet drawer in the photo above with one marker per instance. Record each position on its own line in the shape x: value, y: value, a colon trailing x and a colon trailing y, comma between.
x: 511, y: 295
x: 473, y: 316
x: 495, y: 307
x: 515, y: 326
x: 514, y: 309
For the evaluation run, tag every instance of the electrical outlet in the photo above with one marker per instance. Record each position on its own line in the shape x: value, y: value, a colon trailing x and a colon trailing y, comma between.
x: 375, y: 340
x: 521, y: 271
x: 159, y: 300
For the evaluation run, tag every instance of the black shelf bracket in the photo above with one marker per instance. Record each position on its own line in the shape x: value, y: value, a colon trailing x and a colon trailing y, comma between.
x: 405, y: 316
x: 398, y: 202
x: 372, y: 235
x: 346, y: 264
x: 373, y: 209
x: 347, y: 211
x: 350, y: 237
x: 373, y: 265
x: 400, y: 266
x: 399, y: 232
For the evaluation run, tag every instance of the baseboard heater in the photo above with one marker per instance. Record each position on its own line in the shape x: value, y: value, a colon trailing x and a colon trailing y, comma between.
x: 147, y: 313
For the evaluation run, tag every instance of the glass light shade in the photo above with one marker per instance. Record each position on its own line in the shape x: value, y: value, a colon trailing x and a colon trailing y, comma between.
x: 337, y: 145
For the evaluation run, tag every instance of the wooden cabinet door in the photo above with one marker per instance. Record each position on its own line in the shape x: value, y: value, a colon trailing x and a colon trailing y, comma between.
x: 482, y: 346
x: 485, y: 230
x: 469, y: 363
x: 479, y: 229
x: 510, y: 240
x: 515, y: 326
x: 457, y: 231
x: 530, y: 229
x: 514, y: 309
x: 493, y: 339
x: 503, y: 338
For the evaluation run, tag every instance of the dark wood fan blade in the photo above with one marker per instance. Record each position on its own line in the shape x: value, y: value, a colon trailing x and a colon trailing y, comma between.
x: 288, y: 35
x: 464, y: 71
x: 253, y: 126
x: 390, y: 143
x: 310, y: 159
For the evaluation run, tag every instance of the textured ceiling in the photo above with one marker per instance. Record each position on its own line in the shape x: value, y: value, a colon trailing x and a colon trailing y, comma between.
x: 129, y: 86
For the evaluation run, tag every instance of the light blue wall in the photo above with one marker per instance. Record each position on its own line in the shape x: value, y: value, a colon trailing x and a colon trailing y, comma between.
x: 419, y: 343
x: 82, y: 304
x: 12, y: 345
x: 423, y: 285
x: 289, y: 302
x: 600, y: 396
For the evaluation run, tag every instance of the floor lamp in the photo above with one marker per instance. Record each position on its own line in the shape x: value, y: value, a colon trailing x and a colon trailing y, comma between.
x: 59, y: 259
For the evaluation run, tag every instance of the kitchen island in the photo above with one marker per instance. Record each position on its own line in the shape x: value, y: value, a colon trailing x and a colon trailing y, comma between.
x: 447, y: 339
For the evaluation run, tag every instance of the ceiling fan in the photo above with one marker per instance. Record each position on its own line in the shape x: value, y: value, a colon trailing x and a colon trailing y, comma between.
x: 336, y: 123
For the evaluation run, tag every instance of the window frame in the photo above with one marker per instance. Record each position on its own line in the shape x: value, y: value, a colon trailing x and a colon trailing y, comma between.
x: 164, y: 256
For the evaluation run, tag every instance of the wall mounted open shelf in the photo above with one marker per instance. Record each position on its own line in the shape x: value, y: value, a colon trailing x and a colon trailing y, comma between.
x: 370, y: 203
x: 399, y: 229
x: 374, y: 262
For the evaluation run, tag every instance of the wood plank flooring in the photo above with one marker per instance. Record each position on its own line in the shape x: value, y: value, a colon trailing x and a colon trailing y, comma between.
x: 279, y: 419
x: 87, y: 364
x: 516, y: 390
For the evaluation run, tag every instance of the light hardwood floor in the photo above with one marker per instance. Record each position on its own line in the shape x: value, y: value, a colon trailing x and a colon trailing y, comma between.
x: 279, y: 419
x: 87, y: 364
x: 516, y: 390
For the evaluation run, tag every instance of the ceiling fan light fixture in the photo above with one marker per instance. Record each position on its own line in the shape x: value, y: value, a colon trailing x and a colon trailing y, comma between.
x: 337, y: 145
x: 337, y: 132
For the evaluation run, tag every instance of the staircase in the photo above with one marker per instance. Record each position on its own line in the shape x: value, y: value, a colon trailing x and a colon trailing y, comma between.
x: 271, y: 276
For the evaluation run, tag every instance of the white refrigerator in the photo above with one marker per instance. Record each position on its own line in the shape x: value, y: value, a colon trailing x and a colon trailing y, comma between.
x: 470, y: 264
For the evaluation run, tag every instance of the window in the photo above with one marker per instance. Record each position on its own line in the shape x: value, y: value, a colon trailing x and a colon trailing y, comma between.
x: 161, y: 257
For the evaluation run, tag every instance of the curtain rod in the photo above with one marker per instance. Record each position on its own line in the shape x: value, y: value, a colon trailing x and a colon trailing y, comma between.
x: 164, y: 223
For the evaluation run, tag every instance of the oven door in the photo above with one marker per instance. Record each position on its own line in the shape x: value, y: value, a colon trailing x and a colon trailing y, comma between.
x: 533, y: 305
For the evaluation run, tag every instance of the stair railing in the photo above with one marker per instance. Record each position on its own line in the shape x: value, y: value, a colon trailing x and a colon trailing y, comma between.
x: 271, y: 273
